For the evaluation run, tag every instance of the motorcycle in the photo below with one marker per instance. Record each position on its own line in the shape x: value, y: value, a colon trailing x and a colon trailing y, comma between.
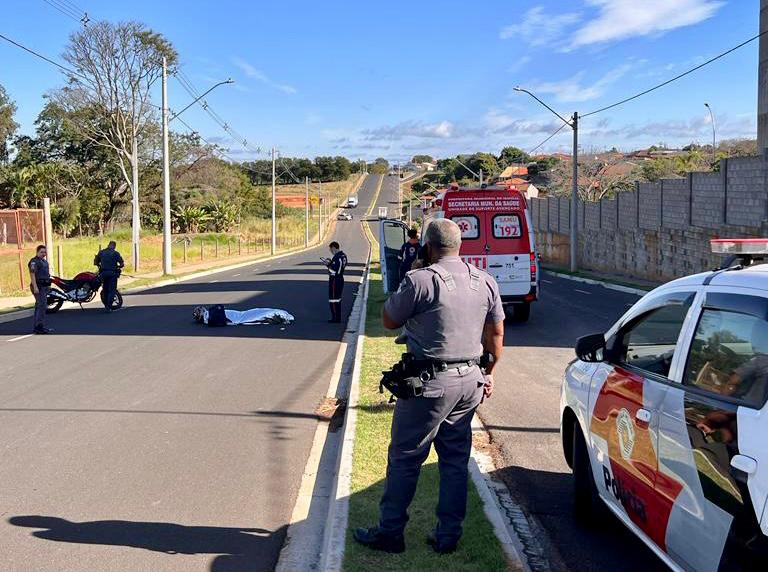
x: 80, y: 290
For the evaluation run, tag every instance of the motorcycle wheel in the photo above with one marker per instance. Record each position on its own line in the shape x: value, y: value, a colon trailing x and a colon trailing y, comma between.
x: 117, y: 301
x: 53, y: 305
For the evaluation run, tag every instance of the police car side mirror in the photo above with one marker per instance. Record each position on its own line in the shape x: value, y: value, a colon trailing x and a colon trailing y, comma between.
x: 590, y: 348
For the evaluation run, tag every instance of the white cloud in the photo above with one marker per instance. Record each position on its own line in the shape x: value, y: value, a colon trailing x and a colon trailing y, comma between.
x: 519, y: 64
x: 441, y: 130
x: 260, y: 76
x: 500, y: 122
x: 574, y: 90
x: 621, y: 19
x: 538, y: 28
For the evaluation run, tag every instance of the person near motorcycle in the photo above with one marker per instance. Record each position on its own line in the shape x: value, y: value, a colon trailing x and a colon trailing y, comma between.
x: 110, y: 264
x: 40, y: 283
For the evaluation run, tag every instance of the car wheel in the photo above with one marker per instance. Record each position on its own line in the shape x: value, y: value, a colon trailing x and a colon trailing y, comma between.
x: 588, y: 506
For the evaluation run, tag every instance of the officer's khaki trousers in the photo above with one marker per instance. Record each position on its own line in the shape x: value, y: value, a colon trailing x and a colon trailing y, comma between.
x: 443, y: 416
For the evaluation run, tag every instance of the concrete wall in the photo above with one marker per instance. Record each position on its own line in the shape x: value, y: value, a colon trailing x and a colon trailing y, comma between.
x: 661, y: 230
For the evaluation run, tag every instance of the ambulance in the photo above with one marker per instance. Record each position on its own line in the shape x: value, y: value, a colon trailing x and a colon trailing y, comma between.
x: 496, y: 236
x: 664, y: 417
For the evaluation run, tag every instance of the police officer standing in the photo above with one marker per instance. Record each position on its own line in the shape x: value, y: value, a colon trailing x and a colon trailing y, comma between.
x: 110, y: 264
x: 409, y: 252
x: 452, y: 314
x: 40, y: 284
x: 336, y: 266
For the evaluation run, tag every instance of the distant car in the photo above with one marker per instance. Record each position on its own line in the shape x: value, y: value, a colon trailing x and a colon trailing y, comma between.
x: 344, y: 216
x: 664, y: 417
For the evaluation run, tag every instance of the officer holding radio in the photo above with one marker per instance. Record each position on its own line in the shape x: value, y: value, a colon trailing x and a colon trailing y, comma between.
x: 452, y: 316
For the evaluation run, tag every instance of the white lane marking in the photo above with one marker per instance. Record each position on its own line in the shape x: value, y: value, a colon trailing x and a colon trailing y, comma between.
x: 212, y: 281
x: 20, y: 338
x: 235, y: 275
x: 546, y: 281
x: 582, y: 291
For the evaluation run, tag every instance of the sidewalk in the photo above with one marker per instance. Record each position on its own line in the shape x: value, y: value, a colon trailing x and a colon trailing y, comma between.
x: 616, y: 279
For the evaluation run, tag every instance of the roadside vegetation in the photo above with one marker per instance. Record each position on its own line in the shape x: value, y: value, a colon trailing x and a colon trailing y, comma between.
x: 479, y: 548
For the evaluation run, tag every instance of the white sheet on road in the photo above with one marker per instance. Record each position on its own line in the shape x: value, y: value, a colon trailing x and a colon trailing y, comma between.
x: 255, y: 316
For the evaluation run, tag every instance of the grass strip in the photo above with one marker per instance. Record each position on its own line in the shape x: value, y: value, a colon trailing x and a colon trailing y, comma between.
x: 479, y: 548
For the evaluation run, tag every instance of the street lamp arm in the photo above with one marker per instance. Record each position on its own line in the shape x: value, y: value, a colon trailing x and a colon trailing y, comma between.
x: 175, y: 115
x: 467, y: 168
x: 563, y: 119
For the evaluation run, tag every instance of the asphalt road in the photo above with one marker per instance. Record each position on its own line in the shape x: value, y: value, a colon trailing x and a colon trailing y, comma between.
x: 523, y: 417
x: 142, y: 441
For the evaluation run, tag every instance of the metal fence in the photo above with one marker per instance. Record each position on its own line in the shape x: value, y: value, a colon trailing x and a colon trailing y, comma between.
x: 20, y: 232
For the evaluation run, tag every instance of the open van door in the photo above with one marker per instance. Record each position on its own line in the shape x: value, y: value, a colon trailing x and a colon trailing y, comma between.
x: 392, y: 236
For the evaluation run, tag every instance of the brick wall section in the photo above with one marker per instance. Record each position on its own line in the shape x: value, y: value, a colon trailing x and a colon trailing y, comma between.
x: 565, y: 214
x: 708, y: 199
x: 591, y: 216
x: 608, y: 218
x: 627, y: 210
x: 553, y: 216
x: 675, y: 210
x: 746, y: 191
x: 650, y: 210
x: 665, y: 245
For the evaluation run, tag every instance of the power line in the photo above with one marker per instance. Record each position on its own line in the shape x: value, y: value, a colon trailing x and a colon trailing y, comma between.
x: 677, y: 77
x: 70, y: 10
x: 42, y: 57
x: 559, y: 129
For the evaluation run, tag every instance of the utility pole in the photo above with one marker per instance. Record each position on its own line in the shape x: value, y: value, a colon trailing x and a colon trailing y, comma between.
x: 481, y: 178
x: 167, y: 255
x: 319, y: 216
x: 274, y: 219
x: 135, y: 220
x: 306, y: 212
x: 322, y: 204
x: 399, y: 195
x: 575, y: 192
x: 762, y: 82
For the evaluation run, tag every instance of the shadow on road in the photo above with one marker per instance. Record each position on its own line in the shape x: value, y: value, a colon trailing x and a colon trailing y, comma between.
x: 238, y: 549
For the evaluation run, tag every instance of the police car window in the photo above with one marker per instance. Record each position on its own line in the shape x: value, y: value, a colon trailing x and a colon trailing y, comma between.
x: 507, y: 226
x: 649, y: 342
x: 729, y: 356
x: 469, y: 225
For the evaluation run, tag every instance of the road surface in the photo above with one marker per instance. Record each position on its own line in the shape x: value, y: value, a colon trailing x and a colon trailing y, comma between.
x: 142, y: 441
x: 523, y: 417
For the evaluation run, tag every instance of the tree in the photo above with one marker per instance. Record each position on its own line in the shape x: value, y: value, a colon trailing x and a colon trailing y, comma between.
x: 7, y: 125
x: 598, y: 178
x: 189, y: 219
x: 379, y: 167
x: 417, y: 159
x: 115, y: 67
x: 513, y: 156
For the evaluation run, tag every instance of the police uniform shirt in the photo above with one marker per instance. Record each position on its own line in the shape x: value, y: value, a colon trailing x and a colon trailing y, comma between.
x: 338, y: 265
x: 445, y: 324
x: 109, y: 260
x: 409, y: 252
x: 39, y: 267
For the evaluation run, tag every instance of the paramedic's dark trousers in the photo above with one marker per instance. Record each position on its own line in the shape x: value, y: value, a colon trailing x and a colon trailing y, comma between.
x: 41, y: 305
x: 335, y: 290
x: 443, y: 415
x: 109, y: 286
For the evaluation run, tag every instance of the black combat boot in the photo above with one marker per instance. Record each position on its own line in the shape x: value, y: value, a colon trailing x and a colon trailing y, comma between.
x: 375, y: 539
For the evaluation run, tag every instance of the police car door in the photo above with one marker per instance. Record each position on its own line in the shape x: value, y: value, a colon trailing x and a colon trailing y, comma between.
x: 627, y: 392
x: 392, y: 236
x: 712, y: 436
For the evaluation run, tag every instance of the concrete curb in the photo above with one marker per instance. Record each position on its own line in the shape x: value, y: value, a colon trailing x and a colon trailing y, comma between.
x: 603, y: 283
x: 308, y: 536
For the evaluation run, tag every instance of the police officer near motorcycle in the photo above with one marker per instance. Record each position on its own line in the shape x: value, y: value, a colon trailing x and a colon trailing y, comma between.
x: 453, y: 316
x: 40, y: 285
x: 110, y: 264
x: 336, y: 266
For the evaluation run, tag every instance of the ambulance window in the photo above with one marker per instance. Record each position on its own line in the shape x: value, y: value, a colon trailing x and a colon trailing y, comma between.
x: 507, y: 226
x: 469, y: 225
x: 729, y: 356
x: 649, y: 342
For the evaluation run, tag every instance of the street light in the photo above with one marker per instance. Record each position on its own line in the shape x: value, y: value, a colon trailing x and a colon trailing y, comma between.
x: 225, y: 82
x: 167, y: 255
x: 573, y: 124
x: 714, y: 139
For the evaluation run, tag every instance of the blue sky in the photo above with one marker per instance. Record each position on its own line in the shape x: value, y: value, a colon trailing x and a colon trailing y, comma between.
x: 396, y: 78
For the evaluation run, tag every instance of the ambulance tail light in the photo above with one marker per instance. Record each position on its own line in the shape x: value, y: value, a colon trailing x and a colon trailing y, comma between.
x: 533, y: 267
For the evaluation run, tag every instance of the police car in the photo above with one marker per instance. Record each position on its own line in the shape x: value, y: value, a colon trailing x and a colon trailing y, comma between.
x: 664, y: 418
